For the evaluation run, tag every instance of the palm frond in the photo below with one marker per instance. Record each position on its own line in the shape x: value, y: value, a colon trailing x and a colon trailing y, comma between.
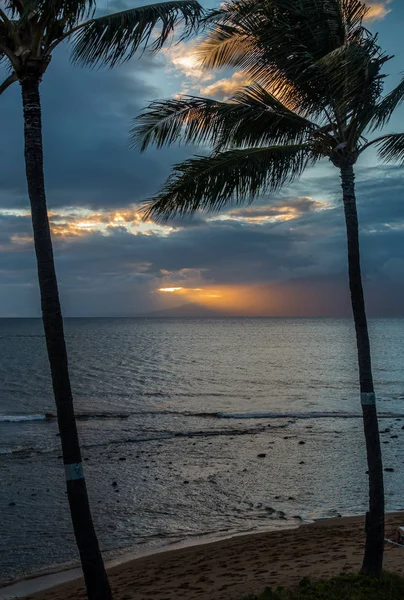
x: 387, y: 106
x: 352, y: 73
x: 276, y: 43
x: 251, y: 118
x: 68, y: 11
x: 189, y: 119
x: 209, y: 183
x: 64, y: 14
x: 225, y: 47
x: 115, y: 38
x: 264, y: 119
x: 15, y: 7
x: 354, y: 12
x: 7, y: 82
x: 288, y: 46
x: 318, y: 83
x: 391, y: 148
x: 7, y: 25
x: 8, y: 43
x: 318, y: 26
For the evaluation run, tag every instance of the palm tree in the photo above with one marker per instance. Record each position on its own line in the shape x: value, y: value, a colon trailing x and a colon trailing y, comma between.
x: 318, y: 87
x: 30, y: 30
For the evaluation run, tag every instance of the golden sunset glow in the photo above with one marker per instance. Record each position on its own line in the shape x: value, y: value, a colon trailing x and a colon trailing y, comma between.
x: 181, y: 290
x: 231, y: 299
x: 250, y: 300
x: 195, y: 295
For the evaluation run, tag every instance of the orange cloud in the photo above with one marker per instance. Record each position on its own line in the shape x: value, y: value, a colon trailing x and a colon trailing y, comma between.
x: 184, y: 60
x: 80, y: 222
x: 280, y: 211
x: 377, y: 10
x: 225, y: 88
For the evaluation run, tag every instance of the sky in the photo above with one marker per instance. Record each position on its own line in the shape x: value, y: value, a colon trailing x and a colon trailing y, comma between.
x: 285, y: 255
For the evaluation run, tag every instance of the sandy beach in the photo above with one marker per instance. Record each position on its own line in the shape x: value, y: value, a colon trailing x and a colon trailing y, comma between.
x: 232, y: 568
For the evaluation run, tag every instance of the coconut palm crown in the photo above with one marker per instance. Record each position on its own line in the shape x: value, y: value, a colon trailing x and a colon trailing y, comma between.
x: 30, y: 30
x: 318, y: 88
x: 317, y: 92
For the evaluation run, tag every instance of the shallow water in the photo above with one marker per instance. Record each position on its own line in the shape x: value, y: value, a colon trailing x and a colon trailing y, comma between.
x: 176, y: 412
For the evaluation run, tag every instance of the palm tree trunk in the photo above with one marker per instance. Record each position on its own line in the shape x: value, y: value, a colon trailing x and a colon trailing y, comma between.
x: 374, y: 547
x: 93, y: 567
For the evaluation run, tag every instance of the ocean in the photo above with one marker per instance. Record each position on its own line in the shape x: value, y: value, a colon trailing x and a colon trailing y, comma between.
x: 191, y: 427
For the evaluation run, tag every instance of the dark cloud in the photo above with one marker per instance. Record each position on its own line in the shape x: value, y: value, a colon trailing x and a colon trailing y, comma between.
x: 118, y: 273
x: 87, y: 115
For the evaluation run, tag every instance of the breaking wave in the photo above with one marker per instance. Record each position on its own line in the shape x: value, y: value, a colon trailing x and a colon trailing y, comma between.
x: 213, y: 415
x: 52, y: 417
x: 302, y: 415
x: 21, y: 418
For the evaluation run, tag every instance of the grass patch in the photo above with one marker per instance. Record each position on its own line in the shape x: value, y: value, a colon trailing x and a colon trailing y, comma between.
x: 345, y: 587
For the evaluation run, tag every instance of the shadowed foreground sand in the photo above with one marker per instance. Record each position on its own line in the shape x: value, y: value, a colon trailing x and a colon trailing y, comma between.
x: 232, y: 568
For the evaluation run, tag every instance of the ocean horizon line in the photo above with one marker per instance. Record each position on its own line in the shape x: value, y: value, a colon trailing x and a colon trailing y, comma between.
x: 205, y: 317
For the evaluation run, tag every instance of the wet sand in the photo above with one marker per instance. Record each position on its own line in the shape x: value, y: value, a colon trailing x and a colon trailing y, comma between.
x: 232, y: 568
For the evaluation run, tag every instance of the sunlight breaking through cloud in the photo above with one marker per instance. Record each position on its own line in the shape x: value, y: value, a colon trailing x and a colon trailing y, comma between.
x: 80, y: 222
x: 198, y: 296
x: 183, y: 62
